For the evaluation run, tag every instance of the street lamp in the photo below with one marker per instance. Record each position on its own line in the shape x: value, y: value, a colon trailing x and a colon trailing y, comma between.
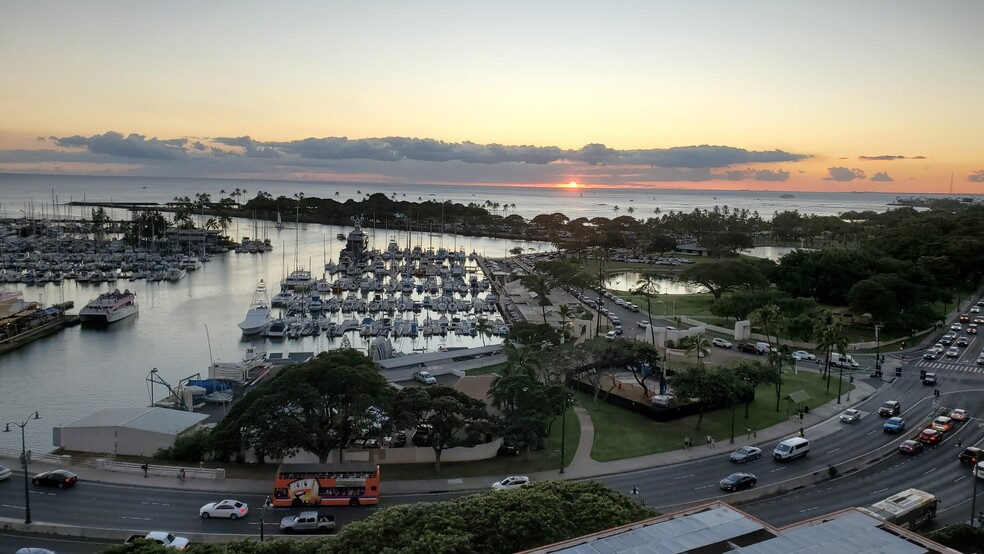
x: 568, y: 399
x: 24, y: 459
x: 840, y: 377
x: 266, y: 504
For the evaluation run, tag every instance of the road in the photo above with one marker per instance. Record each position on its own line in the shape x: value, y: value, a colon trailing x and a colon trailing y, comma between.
x: 936, y: 470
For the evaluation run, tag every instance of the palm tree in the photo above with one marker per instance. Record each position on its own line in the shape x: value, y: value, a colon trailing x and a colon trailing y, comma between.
x: 522, y: 360
x: 483, y: 328
x: 698, y: 343
x: 615, y: 209
x: 564, y: 311
x: 770, y: 318
x: 224, y: 222
x: 832, y: 339
x: 541, y: 285
x: 648, y: 286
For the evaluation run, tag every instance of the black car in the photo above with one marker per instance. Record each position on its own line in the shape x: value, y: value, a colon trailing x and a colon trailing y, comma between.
x: 400, y: 439
x: 60, y: 478
x: 507, y: 450
x: 890, y: 408
x: 972, y: 454
x: 738, y: 481
x: 748, y: 348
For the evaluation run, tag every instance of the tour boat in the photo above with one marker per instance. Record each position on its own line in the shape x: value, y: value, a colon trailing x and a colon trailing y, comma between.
x: 258, y: 314
x: 109, y: 307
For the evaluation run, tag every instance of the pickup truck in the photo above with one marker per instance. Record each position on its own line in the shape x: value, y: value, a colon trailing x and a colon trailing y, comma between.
x: 308, y: 522
x: 161, y: 537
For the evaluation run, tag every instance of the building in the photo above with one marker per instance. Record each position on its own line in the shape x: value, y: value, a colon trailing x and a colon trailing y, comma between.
x: 127, y: 431
x: 718, y: 527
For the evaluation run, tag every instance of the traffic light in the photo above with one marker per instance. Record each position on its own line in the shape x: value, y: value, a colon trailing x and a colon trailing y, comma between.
x: 936, y: 392
x: 898, y: 371
x: 922, y: 374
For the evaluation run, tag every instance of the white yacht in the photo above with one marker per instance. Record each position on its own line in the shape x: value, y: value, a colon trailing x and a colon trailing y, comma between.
x: 298, y: 279
x: 258, y: 314
x: 109, y: 307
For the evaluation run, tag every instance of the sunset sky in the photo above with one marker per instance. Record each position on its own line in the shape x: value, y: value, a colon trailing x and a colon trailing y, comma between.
x: 838, y: 95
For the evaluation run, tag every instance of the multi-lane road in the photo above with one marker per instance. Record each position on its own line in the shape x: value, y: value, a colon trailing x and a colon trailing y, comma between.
x: 936, y: 469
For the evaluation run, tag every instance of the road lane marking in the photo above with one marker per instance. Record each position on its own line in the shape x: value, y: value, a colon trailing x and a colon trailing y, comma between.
x: 703, y: 487
x: 11, y: 506
x: 135, y: 518
x: 683, y: 477
x: 930, y: 471
x: 155, y: 503
x: 880, y: 490
x: 870, y: 432
x: 834, y: 450
x: 810, y: 509
x: 779, y: 469
x: 958, y: 479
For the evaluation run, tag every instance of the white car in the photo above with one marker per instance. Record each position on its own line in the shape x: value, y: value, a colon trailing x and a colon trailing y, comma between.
x: 643, y: 324
x: 425, y: 377
x: 718, y: 341
x: 803, y: 355
x: 230, y: 509
x: 850, y: 415
x: 513, y: 482
x: 4, y: 473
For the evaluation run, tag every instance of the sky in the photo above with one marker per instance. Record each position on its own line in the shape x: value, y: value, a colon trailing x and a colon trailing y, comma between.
x: 837, y: 95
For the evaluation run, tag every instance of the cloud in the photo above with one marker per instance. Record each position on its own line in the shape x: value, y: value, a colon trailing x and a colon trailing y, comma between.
x: 251, y: 148
x: 705, y: 156
x: 881, y: 176
x: 843, y: 174
x: 756, y: 174
x: 132, y: 146
x: 977, y: 176
x: 888, y: 158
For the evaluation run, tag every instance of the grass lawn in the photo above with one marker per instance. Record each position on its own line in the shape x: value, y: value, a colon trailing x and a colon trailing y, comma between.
x: 622, y: 434
x: 540, y: 460
x: 486, y: 370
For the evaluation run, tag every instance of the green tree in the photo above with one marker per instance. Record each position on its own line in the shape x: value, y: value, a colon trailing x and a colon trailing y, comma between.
x: 316, y: 406
x: 648, y: 287
x: 455, y: 419
x: 541, y: 285
x: 702, y: 385
x: 723, y: 276
x: 699, y: 345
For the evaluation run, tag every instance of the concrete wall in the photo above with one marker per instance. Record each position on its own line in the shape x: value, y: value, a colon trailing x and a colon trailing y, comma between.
x: 114, y: 440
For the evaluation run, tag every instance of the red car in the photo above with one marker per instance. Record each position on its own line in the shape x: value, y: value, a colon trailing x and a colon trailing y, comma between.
x: 929, y: 436
x: 747, y: 347
x: 910, y: 447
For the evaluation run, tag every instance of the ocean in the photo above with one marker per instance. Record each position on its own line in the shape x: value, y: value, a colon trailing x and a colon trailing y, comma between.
x: 182, y: 327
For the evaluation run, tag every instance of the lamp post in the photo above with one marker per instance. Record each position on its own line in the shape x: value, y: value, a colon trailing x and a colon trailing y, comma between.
x: 24, y: 460
x: 568, y: 399
x: 262, y: 513
x: 840, y: 377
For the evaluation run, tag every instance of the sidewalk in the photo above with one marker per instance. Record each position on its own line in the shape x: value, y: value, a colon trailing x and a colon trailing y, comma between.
x: 821, y: 421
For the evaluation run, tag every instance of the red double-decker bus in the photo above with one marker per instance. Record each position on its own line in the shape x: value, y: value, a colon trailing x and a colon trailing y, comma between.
x: 344, y: 484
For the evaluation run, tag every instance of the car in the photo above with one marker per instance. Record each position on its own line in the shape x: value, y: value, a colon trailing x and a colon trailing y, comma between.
x: 972, y: 328
x: 957, y: 326
x: 611, y: 335
x: 958, y: 414
x: 747, y: 347
x: 953, y: 352
x: 964, y: 318
x: 425, y: 377
x: 507, y: 449
x: 890, y: 408
x: 34, y: 550
x: 948, y: 338
x: 975, y: 309
x: 979, y: 470
x: 669, y: 328
x: 979, y: 320
x: 929, y: 379
x: 850, y: 415
x: 4, y: 473
x: 718, y: 341
x: 910, y: 447
x: 942, y: 424
x: 929, y: 436
x: 746, y: 454
x: 643, y: 324
x: 800, y: 355
x: 971, y: 454
x: 737, y: 481
x: 963, y: 340
x: 931, y: 354
x: 939, y: 347
x: 894, y: 425
x: 400, y: 439
x: 512, y: 482
x: 60, y: 478
x: 231, y: 509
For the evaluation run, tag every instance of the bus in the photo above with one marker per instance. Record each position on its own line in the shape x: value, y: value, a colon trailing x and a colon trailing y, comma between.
x: 344, y: 484
x: 908, y: 509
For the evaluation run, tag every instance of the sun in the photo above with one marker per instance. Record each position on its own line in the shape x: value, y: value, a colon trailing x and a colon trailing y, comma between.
x: 572, y: 185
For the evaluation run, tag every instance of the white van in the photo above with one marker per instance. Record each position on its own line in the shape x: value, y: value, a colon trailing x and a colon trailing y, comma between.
x: 845, y: 361
x: 790, y: 449
x: 763, y: 347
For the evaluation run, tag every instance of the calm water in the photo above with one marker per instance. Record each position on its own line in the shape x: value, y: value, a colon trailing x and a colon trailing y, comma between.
x: 20, y: 194
x: 181, y: 327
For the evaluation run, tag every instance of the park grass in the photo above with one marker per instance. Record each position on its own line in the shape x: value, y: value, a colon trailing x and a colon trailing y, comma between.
x: 486, y: 370
x: 540, y: 460
x: 621, y: 434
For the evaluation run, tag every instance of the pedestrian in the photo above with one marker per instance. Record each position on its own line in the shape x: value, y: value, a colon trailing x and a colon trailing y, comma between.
x: 959, y: 443
x: 749, y: 429
x: 712, y: 443
x: 801, y: 432
x: 181, y: 475
x: 801, y: 416
x: 686, y: 442
x: 755, y: 434
x: 144, y: 468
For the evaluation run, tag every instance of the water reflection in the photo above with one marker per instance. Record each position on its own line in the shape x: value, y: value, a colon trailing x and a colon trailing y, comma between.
x: 628, y: 280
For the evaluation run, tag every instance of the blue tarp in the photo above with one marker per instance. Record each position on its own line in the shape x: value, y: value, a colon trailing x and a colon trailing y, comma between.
x: 210, y: 385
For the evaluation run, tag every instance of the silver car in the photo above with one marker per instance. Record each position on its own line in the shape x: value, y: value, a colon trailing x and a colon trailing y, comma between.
x: 746, y: 454
x: 850, y: 416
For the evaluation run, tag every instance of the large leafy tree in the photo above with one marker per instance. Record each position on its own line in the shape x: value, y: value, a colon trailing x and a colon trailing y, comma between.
x: 722, y: 276
x: 528, y: 407
x: 454, y: 417
x: 316, y: 406
x: 702, y: 385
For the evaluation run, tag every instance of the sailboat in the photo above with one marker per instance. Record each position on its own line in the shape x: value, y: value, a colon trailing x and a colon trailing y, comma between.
x: 258, y: 315
x: 280, y: 223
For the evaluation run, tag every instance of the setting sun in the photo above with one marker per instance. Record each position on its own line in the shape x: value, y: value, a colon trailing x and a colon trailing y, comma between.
x: 572, y: 185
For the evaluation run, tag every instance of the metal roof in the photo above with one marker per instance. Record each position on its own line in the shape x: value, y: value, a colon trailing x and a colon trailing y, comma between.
x: 850, y: 531
x: 156, y: 420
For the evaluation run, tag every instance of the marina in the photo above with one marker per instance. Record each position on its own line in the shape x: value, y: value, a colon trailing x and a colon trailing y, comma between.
x: 192, y: 325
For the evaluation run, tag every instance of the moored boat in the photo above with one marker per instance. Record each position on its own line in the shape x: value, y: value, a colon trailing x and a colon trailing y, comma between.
x: 258, y: 314
x: 109, y: 307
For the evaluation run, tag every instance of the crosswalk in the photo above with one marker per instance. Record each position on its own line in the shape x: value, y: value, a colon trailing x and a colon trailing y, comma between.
x: 949, y: 366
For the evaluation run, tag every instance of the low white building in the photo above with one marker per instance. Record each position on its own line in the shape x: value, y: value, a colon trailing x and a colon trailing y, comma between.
x: 128, y: 431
